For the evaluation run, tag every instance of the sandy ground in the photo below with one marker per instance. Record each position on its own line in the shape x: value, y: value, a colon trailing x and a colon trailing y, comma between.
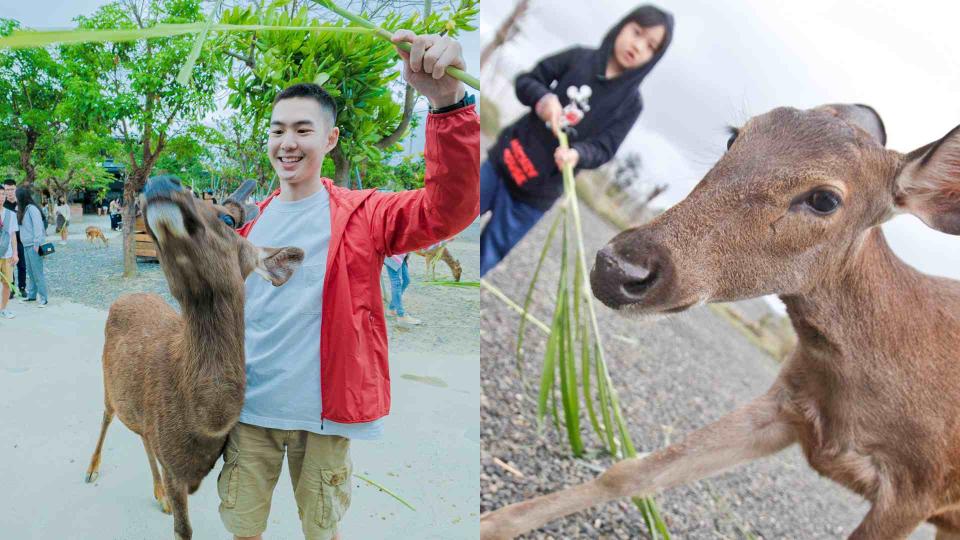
x: 51, y: 383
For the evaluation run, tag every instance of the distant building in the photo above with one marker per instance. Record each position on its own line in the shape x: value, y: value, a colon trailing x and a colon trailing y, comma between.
x: 89, y: 198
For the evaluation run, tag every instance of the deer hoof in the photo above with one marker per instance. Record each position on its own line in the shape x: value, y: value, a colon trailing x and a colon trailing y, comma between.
x: 164, y: 505
x: 92, y: 477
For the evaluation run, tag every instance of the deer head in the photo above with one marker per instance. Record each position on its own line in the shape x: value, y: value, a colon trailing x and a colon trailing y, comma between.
x: 787, y: 207
x: 200, y: 252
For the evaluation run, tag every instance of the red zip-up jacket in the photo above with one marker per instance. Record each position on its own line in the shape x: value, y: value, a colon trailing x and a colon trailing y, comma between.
x: 365, y: 227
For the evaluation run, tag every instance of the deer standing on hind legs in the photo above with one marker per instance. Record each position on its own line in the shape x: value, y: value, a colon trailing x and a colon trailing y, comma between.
x: 178, y: 380
x: 794, y: 208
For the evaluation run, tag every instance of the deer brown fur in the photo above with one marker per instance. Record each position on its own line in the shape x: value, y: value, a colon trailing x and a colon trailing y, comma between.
x: 178, y: 380
x: 430, y: 256
x: 870, y: 392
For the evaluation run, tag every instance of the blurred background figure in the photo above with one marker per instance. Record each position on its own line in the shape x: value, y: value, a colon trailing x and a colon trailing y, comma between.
x: 62, y: 213
x: 10, y: 203
x: 8, y: 257
x: 115, y: 215
x: 399, y: 281
x: 33, y: 234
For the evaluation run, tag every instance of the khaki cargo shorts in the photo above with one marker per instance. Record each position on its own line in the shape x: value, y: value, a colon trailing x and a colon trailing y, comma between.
x: 6, y: 270
x: 319, y: 467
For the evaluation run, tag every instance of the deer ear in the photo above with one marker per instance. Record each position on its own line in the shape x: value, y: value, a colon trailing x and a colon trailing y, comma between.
x: 277, y: 265
x: 860, y: 116
x: 928, y: 184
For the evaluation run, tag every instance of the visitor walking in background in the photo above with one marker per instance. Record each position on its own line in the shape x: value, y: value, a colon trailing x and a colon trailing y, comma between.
x: 115, y: 214
x: 33, y: 234
x: 8, y: 257
x: 399, y: 274
x: 10, y: 203
x: 62, y: 212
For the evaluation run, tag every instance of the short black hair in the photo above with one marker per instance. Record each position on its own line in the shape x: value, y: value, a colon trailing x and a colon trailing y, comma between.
x: 9, y: 182
x: 310, y: 91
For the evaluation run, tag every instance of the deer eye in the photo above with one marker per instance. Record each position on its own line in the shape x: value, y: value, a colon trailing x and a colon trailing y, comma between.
x: 228, y: 219
x: 823, y: 201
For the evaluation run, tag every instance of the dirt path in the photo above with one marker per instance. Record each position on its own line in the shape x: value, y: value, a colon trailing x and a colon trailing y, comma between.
x: 51, y: 383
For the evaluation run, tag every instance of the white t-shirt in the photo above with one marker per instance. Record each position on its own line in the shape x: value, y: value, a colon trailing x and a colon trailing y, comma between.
x: 282, y: 336
x: 63, y: 210
x: 9, y: 218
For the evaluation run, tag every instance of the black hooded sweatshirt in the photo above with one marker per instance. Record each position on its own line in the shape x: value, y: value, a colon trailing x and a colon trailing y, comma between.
x: 523, y: 154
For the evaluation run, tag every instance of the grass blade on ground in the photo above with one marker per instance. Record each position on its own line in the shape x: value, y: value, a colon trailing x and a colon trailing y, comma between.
x: 385, y: 490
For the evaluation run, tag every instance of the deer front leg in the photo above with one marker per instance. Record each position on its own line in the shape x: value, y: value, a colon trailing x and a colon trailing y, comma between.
x: 177, y: 496
x: 755, y: 430
x: 158, y: 493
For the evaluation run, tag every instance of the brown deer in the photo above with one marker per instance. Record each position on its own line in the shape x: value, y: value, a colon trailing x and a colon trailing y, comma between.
x: 870, y: 393
x: 94, y: 233
x: 178, y: 380
x: 430, y: 255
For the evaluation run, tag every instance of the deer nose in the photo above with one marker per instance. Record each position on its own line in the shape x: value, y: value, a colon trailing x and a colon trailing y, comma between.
x: 161, y: 186
x: 617, y: 282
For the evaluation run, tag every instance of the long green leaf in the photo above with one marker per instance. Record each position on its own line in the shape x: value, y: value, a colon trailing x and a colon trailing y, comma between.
x: 568, y: 386
x: 605, y: 406
x: 187, y: 68
x: 529, y: 296
x: 585, y: 374
x: 42, y: 38
x: 456, y: 73
x: 549, y: 366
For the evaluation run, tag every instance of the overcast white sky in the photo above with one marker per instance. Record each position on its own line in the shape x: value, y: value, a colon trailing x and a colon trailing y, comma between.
x: 733, y: 59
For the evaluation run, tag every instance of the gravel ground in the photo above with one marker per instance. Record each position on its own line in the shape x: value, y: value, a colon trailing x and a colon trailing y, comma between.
x: 91, y: 274
x: 673, y: 375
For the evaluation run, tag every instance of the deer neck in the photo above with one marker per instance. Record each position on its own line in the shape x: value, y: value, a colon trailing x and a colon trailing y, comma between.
x: 213, y: 371
x: 860, y: 305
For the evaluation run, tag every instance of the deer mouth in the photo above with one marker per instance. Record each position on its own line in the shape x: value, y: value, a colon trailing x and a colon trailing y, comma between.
x: 165, y: 218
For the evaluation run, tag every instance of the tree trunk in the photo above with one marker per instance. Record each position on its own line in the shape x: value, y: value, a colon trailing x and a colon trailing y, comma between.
x: 132, y: 187
x: 129, y: 219
x: 341, y: 174
x: 25, y: 154
x: 409, y: 100
x: 505, y: 32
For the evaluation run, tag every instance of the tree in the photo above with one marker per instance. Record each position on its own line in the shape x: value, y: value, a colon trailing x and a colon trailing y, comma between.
x: 129, y: 90
x: 359, y: 71
x: 74, y: 161
x: 186, y: 156
x: 507, y: 30
x: 238, y: 147
x: 30, y: 93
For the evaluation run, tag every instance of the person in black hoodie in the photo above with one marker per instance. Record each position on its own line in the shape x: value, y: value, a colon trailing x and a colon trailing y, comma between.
x: 595, y: 93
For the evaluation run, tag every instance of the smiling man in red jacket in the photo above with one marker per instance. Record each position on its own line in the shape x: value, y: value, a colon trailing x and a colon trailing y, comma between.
x: 316, y: 348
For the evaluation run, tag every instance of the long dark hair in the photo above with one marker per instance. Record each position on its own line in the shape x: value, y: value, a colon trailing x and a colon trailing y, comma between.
x: 24, y: 199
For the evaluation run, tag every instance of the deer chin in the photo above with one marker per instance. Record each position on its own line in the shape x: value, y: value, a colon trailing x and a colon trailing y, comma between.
x: 641, y: 310
x: 165, y: 217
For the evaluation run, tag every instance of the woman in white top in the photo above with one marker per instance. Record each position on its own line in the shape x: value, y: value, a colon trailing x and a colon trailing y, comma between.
x: 62, y: 211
